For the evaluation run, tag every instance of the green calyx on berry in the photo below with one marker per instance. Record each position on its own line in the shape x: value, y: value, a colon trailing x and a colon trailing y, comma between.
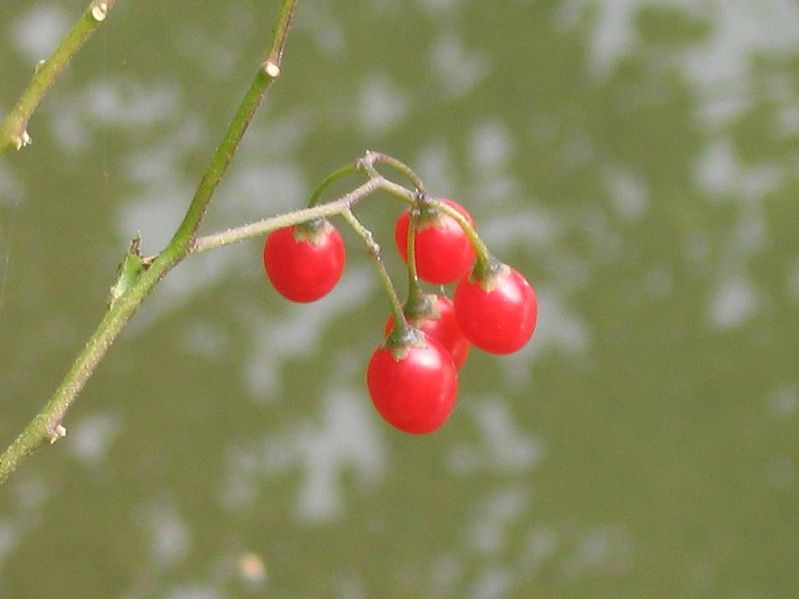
x: 486, y: 272
x: 497, y: 313
x: 402, y: 339
x: 443, y: 250
x: 304, y: 267
x: 420, y: 308
x: 425, y: 214
x: 312, y: 231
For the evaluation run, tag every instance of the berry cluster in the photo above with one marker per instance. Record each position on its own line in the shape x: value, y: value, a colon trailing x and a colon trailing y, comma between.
x: 412, y: 377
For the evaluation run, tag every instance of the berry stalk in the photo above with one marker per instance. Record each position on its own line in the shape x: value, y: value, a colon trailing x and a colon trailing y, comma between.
x: 328, y: 181
x: 373, y: 249
x: 485, y: 261
x: 371, y: 158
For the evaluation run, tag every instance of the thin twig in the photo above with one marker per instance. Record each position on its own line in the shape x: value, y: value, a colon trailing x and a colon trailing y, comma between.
x: 47, y: 424
x: 14, y: 129
x: 269, y: 71
x: 267, y: 225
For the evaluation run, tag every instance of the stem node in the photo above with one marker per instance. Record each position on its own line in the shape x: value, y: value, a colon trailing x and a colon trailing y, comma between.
x: 56, y: 432
x: 100, y: 11
x: 271, y: 69
x: 22, y: 140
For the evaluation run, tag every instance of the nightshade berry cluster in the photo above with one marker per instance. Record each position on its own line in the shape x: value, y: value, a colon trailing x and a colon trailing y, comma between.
x: 412, y: 377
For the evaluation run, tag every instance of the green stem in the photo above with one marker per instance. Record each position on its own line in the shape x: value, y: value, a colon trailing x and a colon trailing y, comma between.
x: 397, y: 191
x: 47, y: 424
x: 415, y: 293
x: 372, y: 158
x: 14, y: 129
x: 484, y: 258
x: 270, y: 69
x: 328, y: 181
x: 373, y: 250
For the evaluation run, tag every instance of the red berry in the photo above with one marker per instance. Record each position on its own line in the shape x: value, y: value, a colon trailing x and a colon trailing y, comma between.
x: 413, y: 388
x: 304, y: 262
x: 443, y: 251
x: 442, y: 326
x: 498, y: 313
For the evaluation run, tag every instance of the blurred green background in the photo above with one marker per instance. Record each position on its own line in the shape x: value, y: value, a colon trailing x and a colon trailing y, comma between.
x: 637, y: 160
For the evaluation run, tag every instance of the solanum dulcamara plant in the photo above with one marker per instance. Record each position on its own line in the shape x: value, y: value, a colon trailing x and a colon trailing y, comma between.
x: 412, y: 377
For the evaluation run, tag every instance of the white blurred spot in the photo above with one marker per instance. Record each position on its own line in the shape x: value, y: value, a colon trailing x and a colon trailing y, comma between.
x: 458, y: 68
x: 717, y: 168
x: 383, y: 105
x: 259, y: 190
x: 347, y: 440
x: 8, y: 539
x: 490, y: 527
x: 493, y: 582
x: 733, y: 302
x: 491, y: 146
x: 322, y: 21
x: 741, y: 29
x: 275, y: 138
x: 439, y: 7
x: 299, y: 330
x: 342, y: 440
x: 156, y: 211
x: 38, y: 32
x: 787, y: 123
x: 612, y: 34
x: 90, y: 438
x: 556, y: 324
x: 503, y: 447
x: 193, y: 591
x: 10, y: 189
x: 202, y: 338
x: 605, y: 550
x: 628, y: 193
x: 720, y: 173
x: 526, y: 227
x: 436, y: 167
x: 170, y: 537
x: 784, y: 401
x: 121, y: 103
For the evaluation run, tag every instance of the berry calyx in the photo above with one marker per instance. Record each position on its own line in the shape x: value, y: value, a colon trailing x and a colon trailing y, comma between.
x: 497, y: 312
x: 304, y: 262
x: 443, y: 251
x: 435, y: 317
x: 413, y: 386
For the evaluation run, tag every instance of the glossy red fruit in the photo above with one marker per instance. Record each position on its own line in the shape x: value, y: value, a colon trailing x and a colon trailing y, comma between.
x: 414, y: 391
x: 499, y: 313
x: 443, y: 251
x: 442, y: 326
x: 305, y: 262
